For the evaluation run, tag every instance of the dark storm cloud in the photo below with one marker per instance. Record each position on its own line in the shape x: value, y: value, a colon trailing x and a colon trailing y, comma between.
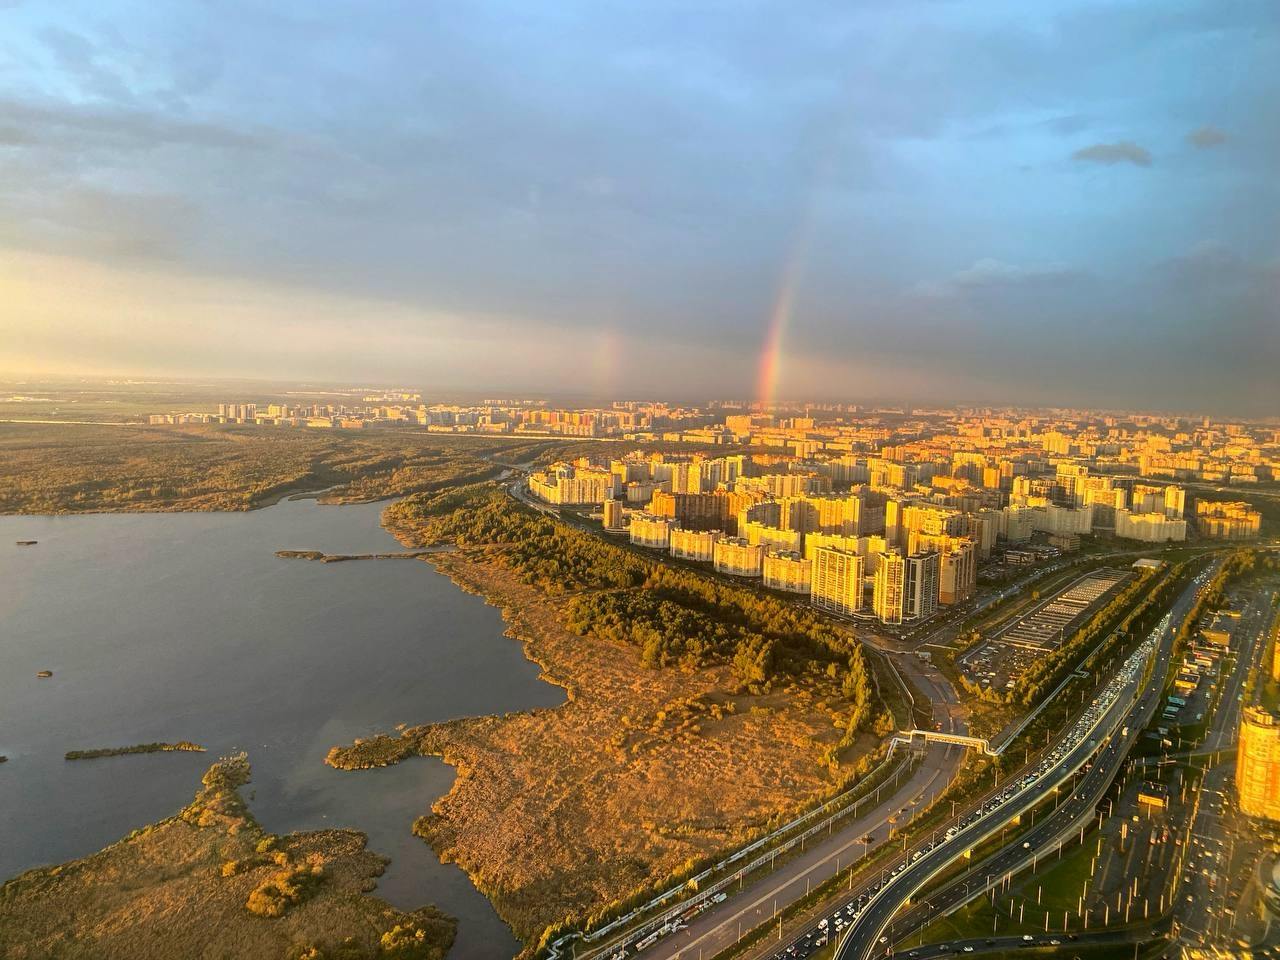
x: 1122, y: 151
x: 658, y: 170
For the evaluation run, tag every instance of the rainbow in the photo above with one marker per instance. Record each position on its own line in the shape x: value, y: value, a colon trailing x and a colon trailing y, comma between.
x: 770, y: 366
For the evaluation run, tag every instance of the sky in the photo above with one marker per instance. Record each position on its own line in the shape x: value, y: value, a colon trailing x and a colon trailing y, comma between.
x: 1054, y: 202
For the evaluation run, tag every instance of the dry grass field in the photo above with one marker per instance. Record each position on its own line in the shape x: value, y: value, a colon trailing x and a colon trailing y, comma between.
x: 561, y: 812
x: 208, y: 883
x: 81, y: 468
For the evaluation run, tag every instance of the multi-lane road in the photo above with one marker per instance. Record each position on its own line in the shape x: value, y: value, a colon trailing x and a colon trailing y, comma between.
x: 1097, y: 736
x: 1210, y: 887
x: 1111, y: 724
x: 724, y: 924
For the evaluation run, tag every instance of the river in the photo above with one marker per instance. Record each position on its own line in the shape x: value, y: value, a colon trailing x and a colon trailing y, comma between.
x: 186, y: 626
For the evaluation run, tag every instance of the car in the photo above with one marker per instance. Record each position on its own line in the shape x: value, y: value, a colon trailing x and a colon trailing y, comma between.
x: 884, y: 939
x: 1027, y: 938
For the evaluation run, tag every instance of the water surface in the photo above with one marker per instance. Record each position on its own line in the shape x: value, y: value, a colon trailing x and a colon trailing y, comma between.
x: 187, y: 627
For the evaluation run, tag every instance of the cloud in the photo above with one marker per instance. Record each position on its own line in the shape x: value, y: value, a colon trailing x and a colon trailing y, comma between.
x: 67, y: 126
x: 1210, y: 268
x: 454, y: 164
x: 1206, y: 136
x: 1109, y: 154
x: 990, y: 273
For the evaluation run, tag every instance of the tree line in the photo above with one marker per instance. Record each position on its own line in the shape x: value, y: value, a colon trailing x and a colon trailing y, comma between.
x: 672, y: 616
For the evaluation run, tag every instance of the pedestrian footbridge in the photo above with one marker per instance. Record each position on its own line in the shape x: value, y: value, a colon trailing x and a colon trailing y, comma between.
x: 910, y: 738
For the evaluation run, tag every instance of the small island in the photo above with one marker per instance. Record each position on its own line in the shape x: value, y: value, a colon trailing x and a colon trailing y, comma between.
x: 182, y: 746
x: 381, y: 750
x: 321, y: 557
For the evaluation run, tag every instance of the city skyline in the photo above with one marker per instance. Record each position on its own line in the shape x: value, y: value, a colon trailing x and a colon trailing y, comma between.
x: 1065, y: 205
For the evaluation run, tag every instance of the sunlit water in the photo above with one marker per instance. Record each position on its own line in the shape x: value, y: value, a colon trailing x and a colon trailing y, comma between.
x: 187, y: 627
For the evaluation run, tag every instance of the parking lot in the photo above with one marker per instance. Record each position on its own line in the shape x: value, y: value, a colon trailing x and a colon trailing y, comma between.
x: 998, y: 661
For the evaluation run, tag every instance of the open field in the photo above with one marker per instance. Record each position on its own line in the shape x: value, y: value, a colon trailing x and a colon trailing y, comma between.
x: 78, y: 468
x: 209, y: 883
x: 660, y: 757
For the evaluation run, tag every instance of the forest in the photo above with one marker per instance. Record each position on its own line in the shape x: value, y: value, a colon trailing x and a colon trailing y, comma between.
x: 671, y: 616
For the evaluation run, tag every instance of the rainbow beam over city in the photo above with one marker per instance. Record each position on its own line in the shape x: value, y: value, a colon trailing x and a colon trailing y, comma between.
x: 771, y: 352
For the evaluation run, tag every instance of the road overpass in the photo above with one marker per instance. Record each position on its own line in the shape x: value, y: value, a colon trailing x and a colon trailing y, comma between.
x: 1119, y: 703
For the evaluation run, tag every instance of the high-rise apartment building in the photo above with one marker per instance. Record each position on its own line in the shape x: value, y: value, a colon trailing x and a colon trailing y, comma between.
x: 921, y: 586
x: 649, y: 530
x: 837, y: 581
x: 699, y: 511
x: 957, y: 565
x: 695, y: 544
x: 738, y: 558
x: 889, y: 596
x: 614, y: 517
x: 568, y: 484
x: 1258, y: 764
x: 772, y: 538
x: 1152, y: 527
x: 789, y: 571
x: 1220, y: 520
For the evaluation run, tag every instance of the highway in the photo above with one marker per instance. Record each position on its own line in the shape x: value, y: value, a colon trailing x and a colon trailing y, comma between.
x: 1206, y: 912
x: 725, y: 923
x: 1117, y: 707
x: 722, y: 924
x: 979, y: 945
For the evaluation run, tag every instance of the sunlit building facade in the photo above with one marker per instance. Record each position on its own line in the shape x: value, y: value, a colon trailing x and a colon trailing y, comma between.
x: 695, y: 544
x: 788, y: 570
x: 1234, y: 520
x: 1258, y: 764
x: 837, y: 581
x: 890, y: 588
x: 738, y: 557
x: 648, y: 530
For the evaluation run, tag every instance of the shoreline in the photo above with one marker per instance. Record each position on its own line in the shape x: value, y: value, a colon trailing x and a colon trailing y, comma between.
x: 689, y: 764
